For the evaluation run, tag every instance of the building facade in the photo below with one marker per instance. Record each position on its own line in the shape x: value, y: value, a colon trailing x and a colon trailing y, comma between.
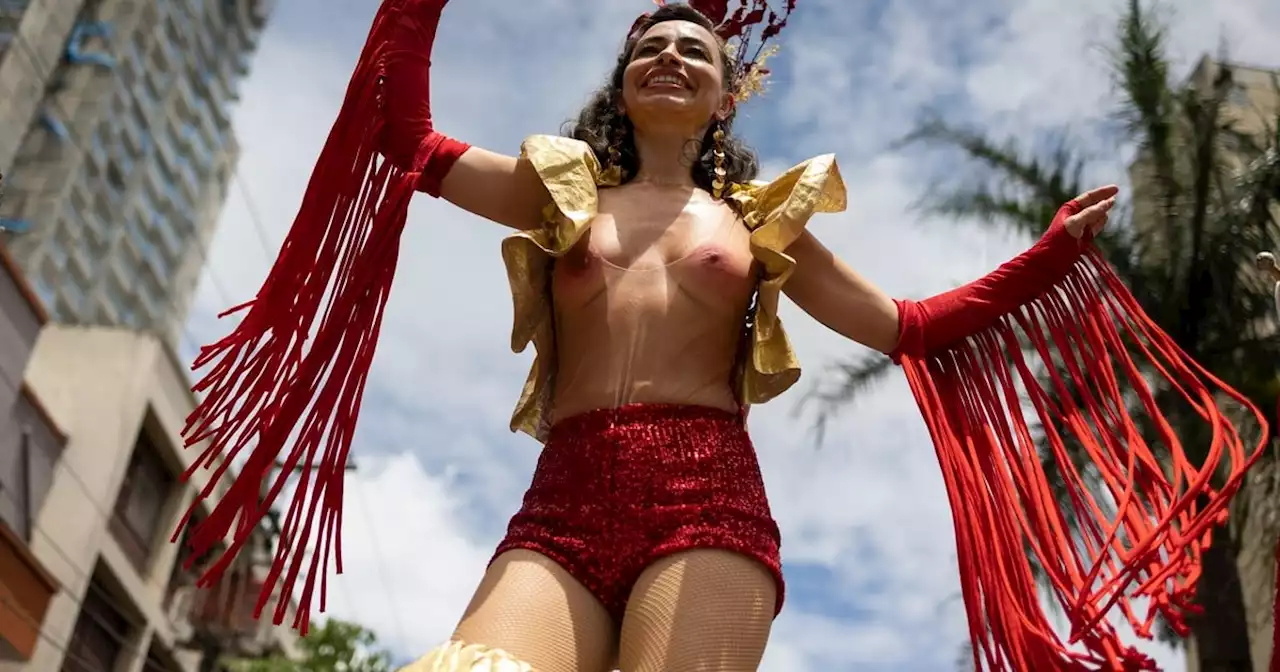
x: 30, y: 445
x: 117, y: 154
x: 118, y: 150
x: 1251, y: 106
x: 114, y: 593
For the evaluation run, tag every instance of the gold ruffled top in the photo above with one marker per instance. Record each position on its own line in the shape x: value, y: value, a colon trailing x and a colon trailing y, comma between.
x: 775, y: 212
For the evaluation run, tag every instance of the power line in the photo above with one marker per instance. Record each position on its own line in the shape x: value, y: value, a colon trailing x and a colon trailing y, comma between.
x: 361, y: 501
x: 82, y: 573
x: 254, y: 214
x: 79, y: 144
x: 382, y: 575
x: 260, y: 229
x: 64, y: 648
x: 87, y: 574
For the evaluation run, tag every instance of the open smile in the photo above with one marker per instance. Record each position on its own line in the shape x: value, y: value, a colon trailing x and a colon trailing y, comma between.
x: 666, y: 80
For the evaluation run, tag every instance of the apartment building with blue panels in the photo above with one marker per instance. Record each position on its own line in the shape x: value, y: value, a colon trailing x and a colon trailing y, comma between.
x: 126, y: 153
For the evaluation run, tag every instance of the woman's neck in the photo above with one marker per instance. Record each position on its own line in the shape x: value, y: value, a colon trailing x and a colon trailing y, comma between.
x: 666, y: 158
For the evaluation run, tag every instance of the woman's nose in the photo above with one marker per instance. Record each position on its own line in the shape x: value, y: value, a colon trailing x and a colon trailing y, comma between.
x: 669, y: 56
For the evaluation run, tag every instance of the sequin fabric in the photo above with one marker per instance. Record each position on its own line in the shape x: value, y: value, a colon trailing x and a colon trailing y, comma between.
x: 776, y: 213
x: 617, y: 489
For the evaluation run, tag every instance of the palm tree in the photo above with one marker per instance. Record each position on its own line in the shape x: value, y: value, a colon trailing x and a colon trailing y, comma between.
x: 1205, y: 199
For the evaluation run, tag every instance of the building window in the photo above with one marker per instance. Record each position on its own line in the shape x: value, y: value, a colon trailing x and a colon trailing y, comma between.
x: 99, y: 635
x: 160, y: 659
x: 44, y: 289
x: 141, y: 505
x: 29, y: 447
x: 181, y: 577
x: 16, y: 501
x: 1239, y: 95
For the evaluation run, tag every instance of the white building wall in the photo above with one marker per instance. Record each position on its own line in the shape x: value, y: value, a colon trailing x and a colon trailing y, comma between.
x: 103, y: 386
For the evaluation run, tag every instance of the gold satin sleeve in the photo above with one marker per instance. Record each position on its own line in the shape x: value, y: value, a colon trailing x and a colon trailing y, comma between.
x: 570, y: 172
x: 777, y: 212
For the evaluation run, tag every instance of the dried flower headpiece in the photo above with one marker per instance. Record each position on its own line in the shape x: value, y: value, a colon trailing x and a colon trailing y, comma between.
x: 746, y: 45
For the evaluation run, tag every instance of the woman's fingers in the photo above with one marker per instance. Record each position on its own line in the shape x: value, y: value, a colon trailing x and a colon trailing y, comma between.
x: 1094, y: 215
x: 1096, y: 196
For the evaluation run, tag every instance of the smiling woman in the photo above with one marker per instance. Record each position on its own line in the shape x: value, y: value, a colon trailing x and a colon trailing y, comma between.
x: 646, y: 266
x: 710, y: 73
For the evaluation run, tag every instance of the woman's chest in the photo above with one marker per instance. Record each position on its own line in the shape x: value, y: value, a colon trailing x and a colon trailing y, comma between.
x: 632, y: 235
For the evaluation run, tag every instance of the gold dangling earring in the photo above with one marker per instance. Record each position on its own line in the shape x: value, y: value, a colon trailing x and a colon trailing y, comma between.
x: 718, y: 183
x: 612, y: 174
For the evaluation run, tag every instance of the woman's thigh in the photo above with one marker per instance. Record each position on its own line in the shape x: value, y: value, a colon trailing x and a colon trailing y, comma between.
x: 530, y: 607
x: 704, y: 610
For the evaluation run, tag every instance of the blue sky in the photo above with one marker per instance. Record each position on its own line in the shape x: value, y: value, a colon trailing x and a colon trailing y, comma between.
x: 867, y: 548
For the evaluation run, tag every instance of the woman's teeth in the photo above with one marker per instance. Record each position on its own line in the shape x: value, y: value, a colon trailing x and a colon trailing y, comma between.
x: 666, y: 79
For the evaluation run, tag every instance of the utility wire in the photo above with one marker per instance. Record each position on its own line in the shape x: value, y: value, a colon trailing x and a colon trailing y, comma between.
x: 263, y: 239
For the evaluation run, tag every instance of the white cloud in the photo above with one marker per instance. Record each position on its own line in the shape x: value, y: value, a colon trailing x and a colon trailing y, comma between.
x: 438, y: 470
x: 410, y: 564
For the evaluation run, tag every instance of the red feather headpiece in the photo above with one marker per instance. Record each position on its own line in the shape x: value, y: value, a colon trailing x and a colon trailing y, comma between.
x: 738, y: 28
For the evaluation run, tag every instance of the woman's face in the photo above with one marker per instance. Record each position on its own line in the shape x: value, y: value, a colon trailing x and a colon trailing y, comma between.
x: 675, y: 77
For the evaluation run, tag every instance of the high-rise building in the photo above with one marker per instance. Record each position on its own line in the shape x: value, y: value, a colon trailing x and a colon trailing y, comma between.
x: 1250, y: 105
x: 117, y: 153
x: 117, y: 149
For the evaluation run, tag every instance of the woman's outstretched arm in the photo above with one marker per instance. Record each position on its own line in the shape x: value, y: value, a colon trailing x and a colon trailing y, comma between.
x: 500, y: 188
x: 497, y: 187
x: 837, y: 296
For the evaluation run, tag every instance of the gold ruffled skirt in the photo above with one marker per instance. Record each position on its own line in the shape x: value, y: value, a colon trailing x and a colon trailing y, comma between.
x: 459, y: 657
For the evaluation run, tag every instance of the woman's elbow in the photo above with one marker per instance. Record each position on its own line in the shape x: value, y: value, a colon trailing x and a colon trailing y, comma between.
x: 869, y: 319
x: 877, y: 326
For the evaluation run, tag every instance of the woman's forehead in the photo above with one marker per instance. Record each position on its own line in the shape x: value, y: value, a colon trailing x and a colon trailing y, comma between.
x: 670, y: 31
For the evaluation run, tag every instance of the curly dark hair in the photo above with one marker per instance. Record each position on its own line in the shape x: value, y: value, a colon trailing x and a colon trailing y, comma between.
x: 600, y: 124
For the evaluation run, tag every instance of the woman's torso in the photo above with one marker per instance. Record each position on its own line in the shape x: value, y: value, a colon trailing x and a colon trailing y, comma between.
x: 650, y: 304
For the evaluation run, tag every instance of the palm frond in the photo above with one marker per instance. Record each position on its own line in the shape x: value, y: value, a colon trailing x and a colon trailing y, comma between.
x: 1147, y: 108
x: 1016, y: 189
x: 1004, y: 158
x: 988, y: 207
x: 1205, y: 198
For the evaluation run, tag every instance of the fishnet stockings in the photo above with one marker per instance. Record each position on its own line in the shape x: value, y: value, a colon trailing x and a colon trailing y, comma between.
x: 702, y: 610
x: 698, y: 611
x: 530, y: 607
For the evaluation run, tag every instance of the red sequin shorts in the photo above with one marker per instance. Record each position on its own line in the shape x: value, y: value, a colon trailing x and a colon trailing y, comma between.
x: 617, y: 489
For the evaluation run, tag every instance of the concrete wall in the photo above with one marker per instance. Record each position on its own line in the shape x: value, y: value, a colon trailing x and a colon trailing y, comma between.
x: 103, y: 386
x: 121, y: 211
x: 27, y: 66
x: 21, y: 416
x: 30, y: 444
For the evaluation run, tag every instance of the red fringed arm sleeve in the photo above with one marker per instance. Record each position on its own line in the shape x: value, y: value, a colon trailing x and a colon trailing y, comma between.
x: 1275, y: 605
x: 1139, y: 510
x: 285, y: 385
